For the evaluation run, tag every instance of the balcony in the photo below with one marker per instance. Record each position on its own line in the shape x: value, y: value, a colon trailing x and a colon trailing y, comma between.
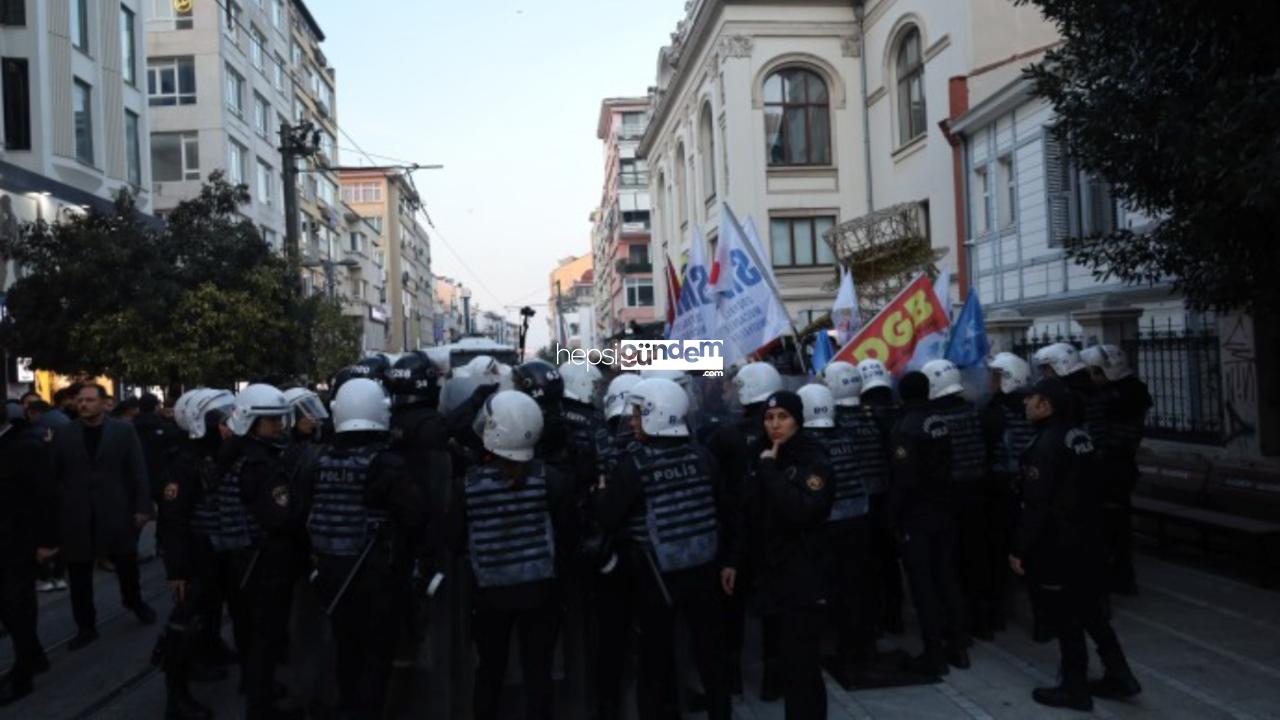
x: 627, y: 267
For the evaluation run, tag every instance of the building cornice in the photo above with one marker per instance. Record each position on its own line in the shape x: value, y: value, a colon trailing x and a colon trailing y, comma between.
x: 1001, y: 102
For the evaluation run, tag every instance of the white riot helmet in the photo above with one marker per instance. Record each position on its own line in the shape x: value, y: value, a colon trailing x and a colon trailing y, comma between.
x: 361, y: 404
x: 306, y: 402
x: 180, y: 408
x: 819, y: 405
x: 944, y: 378
x: 873, y: 374
x: 512, y: 425
x: 756, y: 382
x: 1062, y: 357
x: 615, y: 397
x: 1110, y: 359
x: 844, y: 382
x: 664, y: 407
x: 257, y: 401
x: 1015, y: 373
x: 579, y: 381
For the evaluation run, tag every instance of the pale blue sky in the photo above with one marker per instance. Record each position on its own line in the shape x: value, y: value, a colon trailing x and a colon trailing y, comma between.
x: 505, y: 94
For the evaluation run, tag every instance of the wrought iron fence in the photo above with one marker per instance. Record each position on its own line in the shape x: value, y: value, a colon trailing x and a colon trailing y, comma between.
x: 1182, y: 369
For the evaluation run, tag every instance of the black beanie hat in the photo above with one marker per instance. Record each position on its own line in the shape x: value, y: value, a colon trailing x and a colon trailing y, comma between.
x: 788, y: 401
x: 914, y: 387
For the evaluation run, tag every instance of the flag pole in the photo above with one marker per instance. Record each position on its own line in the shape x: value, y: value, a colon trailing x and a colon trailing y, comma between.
x: 769, y: 280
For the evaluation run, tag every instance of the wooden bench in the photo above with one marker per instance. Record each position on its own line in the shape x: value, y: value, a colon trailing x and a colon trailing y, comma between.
x: 1171, y: 486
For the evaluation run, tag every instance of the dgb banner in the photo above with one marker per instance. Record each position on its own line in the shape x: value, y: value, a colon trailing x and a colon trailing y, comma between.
x: 892, y: 335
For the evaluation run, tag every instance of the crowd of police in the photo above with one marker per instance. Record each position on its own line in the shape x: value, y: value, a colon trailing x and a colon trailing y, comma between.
x: 592, y: 516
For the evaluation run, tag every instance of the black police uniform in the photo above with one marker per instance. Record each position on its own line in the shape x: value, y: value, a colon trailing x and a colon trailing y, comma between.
x: 1008, y: 433
x: 969, y: 473
x: 857, y: 464
x: 27, y: 521
x: 886, y: 412
x: 188, y: 520
x: 1128, y: 402
x: 665, y: 497
x: 267, y: 572
x: 920, y: 509
x: 360, y: 504
x: 516, y: 534
x: 784, y: 504
x: 1059, y: 538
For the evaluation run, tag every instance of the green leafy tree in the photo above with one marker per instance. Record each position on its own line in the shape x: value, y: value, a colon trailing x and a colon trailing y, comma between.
x: 1177, y: 104
x: 335, y: 337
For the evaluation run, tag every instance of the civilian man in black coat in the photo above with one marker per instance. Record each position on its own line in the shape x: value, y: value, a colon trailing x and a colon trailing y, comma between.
x: 26, y: 523
x: 104, y: 500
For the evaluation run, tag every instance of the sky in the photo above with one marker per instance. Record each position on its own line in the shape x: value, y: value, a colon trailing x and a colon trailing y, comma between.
x: 506, y: 95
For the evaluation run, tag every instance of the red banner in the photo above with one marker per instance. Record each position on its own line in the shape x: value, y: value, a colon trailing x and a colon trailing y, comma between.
x: 892, y: 335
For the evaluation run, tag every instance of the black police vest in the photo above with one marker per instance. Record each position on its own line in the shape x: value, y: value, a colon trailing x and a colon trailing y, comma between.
x: 204, y: 516
x: 968, y: 448
x: 871, y: 461
x: 1129, y: 401
x: 851, y: 490
x: 236, y: 527
x: 610, y: 447
x: 509, y: 532
x: 1014, y: 440
x: 678, y: 520
x: 340, y: 523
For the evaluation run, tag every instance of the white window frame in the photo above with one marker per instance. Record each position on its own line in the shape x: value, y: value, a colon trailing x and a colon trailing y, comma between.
x: 261, y: 116
x: 636, y: 284
x: 982, y: 194
x: 266, y: 182
x: 234, y: 91
x: 163, y: 11
x: 157, y: 66
x: 231, y: 19
x: 258, y: 49
x: 1008, y: 183
x: 185, y: 141
x: 278, y: 71
x: 278, y: 14
x: 236, y: 159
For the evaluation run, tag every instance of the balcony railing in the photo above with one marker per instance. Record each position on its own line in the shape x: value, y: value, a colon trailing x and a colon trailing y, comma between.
x: 626, y: 267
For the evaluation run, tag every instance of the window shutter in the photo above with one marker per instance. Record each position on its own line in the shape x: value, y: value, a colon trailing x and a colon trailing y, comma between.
x: 1058, y: 185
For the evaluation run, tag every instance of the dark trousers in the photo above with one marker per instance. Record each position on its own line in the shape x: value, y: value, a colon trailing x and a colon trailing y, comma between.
x: 695, y: 594
x: 80, y: 577
x: 1002, y: 509
x: 1072, y: 601
x: 973, y: 560
x: 183, y: 634
x: 611, y: 639
x: 365, y: 631
x: 929, y: 559
x: 1117, y: 527
x: 537, y: 629
x: 18, y: 613
x: 267, y: 597
x: 887, y: 575
x: 799, y: 634
x: 225, y: 590
x: 850, y: 595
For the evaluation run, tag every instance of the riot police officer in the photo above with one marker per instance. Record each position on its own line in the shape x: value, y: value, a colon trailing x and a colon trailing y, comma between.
x: 541, y: 381
x: 920, y: 511
x: 847, y: 533
x: 877, y: 400
x: 187, y: 522
x: 1004, y: 423
x: 666, y: 495
x: 968, y: 490
x: 1058, y: 544
x: 1128, y: 402
x: 1062, y: 360
x: 785, y: 503
x: 580, y: 418
x: 269, y: 557
x: 515, y: 518
x: 352, y: 496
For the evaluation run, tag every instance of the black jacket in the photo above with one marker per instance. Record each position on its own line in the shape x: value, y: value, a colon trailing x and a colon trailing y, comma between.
x: 192, y: 474
x: 99, y: 496
x: 920, y: 489
x: 28, y: 506
x: 1061, y: 514
x: 159, y: 438
x: 783, y: 506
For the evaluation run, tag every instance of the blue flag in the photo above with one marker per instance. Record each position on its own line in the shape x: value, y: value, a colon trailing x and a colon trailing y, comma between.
x: 969, y: 344
x: 822, y: 352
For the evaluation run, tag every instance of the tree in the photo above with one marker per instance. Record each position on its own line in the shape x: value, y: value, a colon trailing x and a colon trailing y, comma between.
x: 201, y: 300
x: 1177, y: 104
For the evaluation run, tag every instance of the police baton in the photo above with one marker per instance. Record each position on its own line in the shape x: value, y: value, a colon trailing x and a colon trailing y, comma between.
x: 657, y: 576
x: 351, y: 575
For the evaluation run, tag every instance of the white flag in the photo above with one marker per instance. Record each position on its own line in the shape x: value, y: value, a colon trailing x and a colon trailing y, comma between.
x: 844, y: 313
x: 751, y: 313
x: 696, y: 310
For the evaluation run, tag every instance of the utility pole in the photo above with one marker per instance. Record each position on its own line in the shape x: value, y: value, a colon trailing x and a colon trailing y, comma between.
x: 295, y: 142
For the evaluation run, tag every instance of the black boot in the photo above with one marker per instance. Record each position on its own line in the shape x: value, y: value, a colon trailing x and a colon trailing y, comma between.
x: 1117, y: 682
x: 1073, y: 696
x: 181, y: 706
x: 957, y: 656
x: 929, y: 662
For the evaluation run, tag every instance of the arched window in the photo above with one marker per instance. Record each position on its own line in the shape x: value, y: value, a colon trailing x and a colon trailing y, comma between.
x: 707, y: 152
x: 910, y: 73
x: 681, y: 189
x: 797, y: 123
